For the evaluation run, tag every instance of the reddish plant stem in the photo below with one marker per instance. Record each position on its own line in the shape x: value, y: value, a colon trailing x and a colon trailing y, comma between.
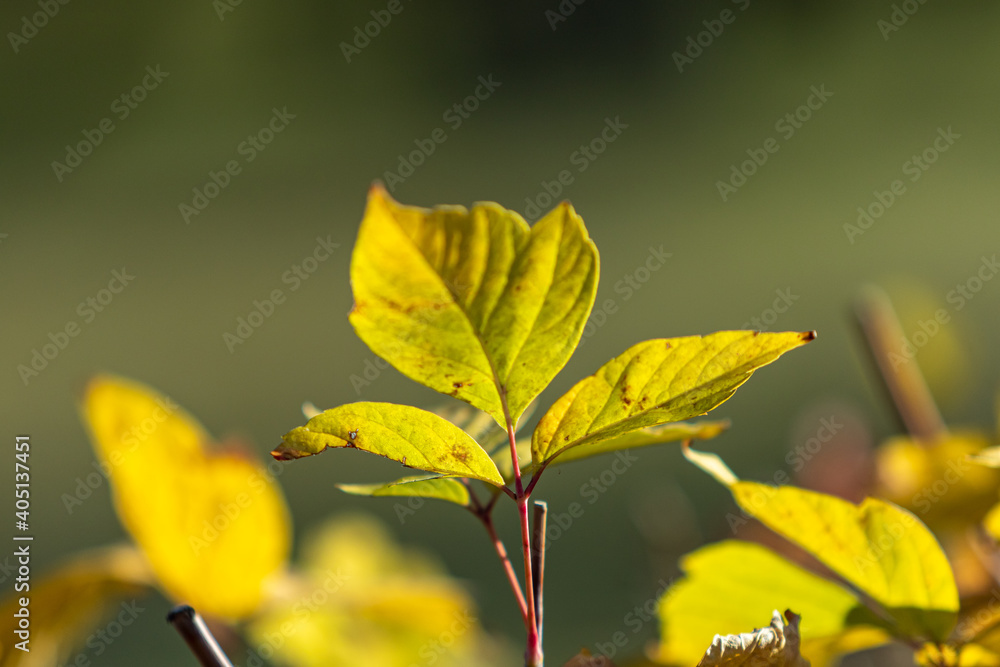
x: 534, y: 478
x: 533, y: 650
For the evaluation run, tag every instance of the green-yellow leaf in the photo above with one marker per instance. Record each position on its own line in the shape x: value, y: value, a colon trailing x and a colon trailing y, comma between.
x: 423, y: 486
x: 414, y: 437
x: 653, y: 435
x: 730, y: 586
x: 880, y: 548
x: 657, y: 382
x: 474, y: 304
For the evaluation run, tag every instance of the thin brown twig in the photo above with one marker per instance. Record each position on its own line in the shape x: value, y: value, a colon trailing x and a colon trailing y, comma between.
x: 901, y: 376
x: 493, y: 501
x: 198, y: 637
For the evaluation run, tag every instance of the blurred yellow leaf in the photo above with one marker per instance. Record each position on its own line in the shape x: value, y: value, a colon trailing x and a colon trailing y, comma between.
x: 728, y: 587
x: 442, y: 488
x: 882, y: 549
x: 934, y: 655
x: 362, y: 601
x: 977, y: 656
x: 978, y: 633
x: 69, y: 602
x: 212, y: 524
x: 473, y: 303
x: 939, y: 481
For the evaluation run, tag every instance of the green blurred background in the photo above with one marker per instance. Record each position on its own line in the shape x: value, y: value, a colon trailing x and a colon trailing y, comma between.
x: 655, y: 185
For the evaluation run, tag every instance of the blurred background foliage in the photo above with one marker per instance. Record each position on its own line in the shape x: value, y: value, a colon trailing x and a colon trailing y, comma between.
x: 783, y: 231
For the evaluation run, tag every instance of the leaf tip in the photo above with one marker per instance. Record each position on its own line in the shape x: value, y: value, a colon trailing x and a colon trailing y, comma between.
x: 380, y: 200
x: 808, y: 336
x: 285, y: 453
x: 377, y: 190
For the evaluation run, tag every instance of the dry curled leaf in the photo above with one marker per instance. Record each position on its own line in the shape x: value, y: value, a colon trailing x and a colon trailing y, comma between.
x: 776, y: 645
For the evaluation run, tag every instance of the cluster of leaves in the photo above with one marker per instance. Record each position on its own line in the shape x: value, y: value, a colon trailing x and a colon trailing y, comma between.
x: 885, y: 576
x: 210, y: 528
x: 477, y: 305
x: 472, y: 303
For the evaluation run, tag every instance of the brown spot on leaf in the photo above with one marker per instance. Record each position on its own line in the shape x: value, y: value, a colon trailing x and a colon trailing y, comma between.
x: 809, y: 335
x: 456, y: 385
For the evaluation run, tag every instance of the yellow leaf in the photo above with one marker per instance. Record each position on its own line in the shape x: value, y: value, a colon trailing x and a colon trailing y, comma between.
x: 70, y: 603
x: 213, y: 525
x: 970, y: 655
x: 414, y: 437
x: 644, y: 437
x: 473, y: 304
x: 880, y: 548
x: 656, y: 382
x: 728, y: 587
x: 939, y: 480
x: 360, y: 600
x: 442, y: 488
x: 978, y: 656
x: 979, y: 636
x: 934, y: 655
